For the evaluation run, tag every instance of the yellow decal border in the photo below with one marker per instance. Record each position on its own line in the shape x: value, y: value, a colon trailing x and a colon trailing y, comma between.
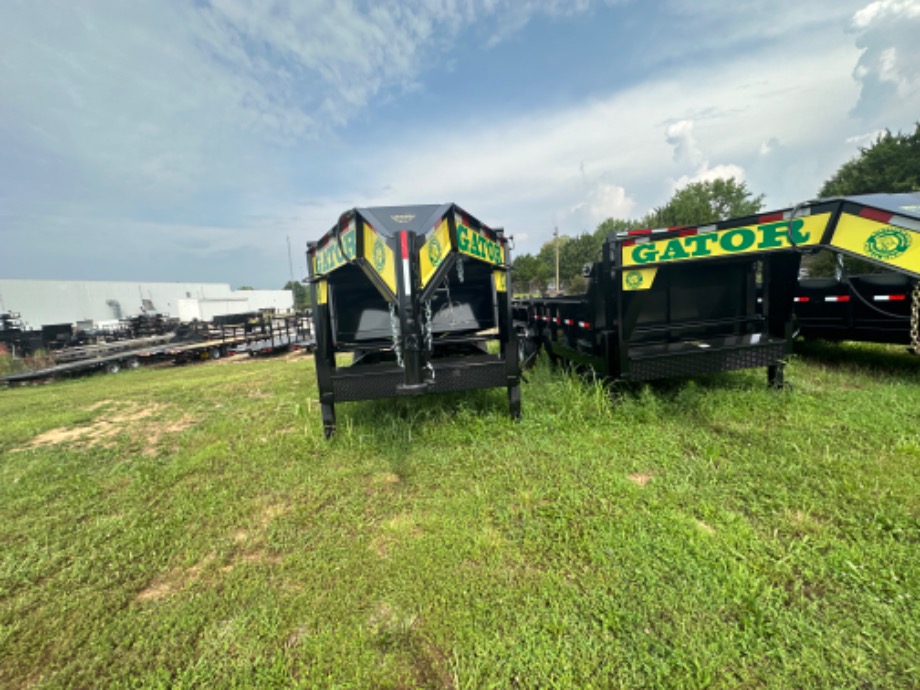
x: 380, y: 256
x: 639, y: 278
x: 477, y: 245
x: 886, y: 243
x: 434, y: 251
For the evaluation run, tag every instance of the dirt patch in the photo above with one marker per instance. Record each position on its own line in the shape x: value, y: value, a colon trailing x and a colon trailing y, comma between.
x: 173, y: 582
x: 97, y: 433
x: 705, y: 527
x: 97, y: 405
x: 640, y: 478
x: 155, y: 434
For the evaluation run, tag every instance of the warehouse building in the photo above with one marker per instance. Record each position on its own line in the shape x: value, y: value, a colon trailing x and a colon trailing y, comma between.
x: 41, y: 302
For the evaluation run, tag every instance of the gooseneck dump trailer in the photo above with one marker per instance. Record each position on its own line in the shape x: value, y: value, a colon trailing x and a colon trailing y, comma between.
x: 694, y: 300
x: 876, y: 307
x: 416, y: 294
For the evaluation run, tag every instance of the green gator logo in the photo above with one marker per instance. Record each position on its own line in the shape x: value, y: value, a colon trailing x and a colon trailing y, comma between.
x: 434, y: 251
x: 634, y: 280
x: 887, y: 243
x: 380, y: 257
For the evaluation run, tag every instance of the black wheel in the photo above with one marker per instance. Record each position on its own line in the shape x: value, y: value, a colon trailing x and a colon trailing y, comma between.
x: 132, y: 363
x: 214, y: 353
x: 113, y: 367
x: 527, y: 351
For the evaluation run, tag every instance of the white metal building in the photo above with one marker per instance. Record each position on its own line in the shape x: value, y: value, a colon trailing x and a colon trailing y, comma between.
x: 69, y: 301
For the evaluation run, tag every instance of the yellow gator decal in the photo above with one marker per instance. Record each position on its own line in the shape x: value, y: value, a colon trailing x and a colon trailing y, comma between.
x: 329, y: 257
x: 805, y: 231
x: 434, y: 251
x: 473, y: 244
x: 379, y: 255
x: 321, y: 292
x: 501, y: 280
x: 639, y: 278
x: 892, y: 245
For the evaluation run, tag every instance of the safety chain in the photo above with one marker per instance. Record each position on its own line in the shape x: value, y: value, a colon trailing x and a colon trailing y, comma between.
x: 915, y: 319
x: 460, y: 268
x: 394, y: 329
x: 429, y: 335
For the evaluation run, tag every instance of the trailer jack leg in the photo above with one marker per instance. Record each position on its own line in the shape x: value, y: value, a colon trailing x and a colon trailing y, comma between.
x: 775, y: 377
x: 328, y: 419
x: 514, y: 401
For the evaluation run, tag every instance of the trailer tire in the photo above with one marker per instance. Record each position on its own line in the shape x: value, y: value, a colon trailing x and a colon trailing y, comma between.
x: 214, y: 353
x: 527, y: 351
x: 132, y: 363
x: 113, y: 367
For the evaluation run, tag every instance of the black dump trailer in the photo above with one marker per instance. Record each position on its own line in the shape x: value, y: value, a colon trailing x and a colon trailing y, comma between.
x: 415, y: 293
x: 677, y: 302
x: 693, y: 300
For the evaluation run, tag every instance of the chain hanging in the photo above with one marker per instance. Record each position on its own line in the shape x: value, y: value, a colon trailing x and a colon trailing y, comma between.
x: 394, y: 330
x: 429, y: 334
x: 915, y: 319
x: 460, y: 268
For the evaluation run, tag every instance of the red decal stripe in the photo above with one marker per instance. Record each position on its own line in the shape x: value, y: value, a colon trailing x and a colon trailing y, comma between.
x: 875, y: 214
x: 640, y: 232
x: 770, y: 217
x: 404, y: 244
x: 802, y: 299
x: 687, y: 232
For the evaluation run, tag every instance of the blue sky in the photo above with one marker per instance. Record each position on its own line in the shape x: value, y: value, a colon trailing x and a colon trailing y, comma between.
x: 178, y: 140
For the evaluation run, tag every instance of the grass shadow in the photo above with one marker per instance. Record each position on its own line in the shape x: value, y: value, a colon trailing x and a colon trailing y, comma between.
x: 888, y: 360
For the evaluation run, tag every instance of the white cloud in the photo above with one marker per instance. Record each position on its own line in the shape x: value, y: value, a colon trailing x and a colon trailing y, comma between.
x: 680, y: 136
x: 705, y: 173
x: 888, y: 70
x: 609, y: 157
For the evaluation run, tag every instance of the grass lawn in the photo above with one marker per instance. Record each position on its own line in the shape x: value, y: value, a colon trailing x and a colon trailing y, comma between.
x: 189, y: 527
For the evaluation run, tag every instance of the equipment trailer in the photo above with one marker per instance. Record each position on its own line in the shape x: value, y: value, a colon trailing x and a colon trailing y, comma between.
x: 693, y: 300
x: 415, y: 293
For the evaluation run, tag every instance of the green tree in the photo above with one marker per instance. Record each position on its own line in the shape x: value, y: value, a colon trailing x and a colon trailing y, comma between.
x: 528, y: 274
x: 890, y: 164
x: 301, y: 294
x: 706, y: 202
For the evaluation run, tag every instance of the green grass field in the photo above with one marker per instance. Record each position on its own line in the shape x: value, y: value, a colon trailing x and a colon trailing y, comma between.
x: 189, y: 527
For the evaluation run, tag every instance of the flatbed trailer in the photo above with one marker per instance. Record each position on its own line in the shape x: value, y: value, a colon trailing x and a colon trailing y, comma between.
x: 693, y: 300
x: 111, y: 363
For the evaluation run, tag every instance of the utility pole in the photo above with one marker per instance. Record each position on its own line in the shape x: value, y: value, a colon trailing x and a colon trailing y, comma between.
x: 556, y: 236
